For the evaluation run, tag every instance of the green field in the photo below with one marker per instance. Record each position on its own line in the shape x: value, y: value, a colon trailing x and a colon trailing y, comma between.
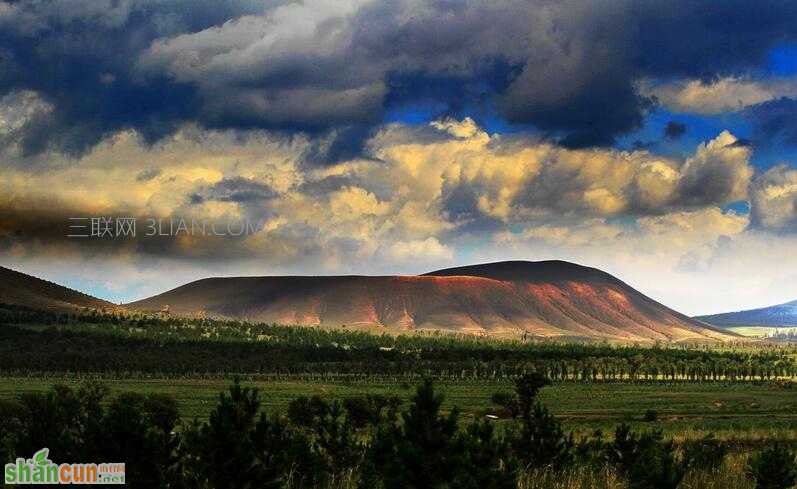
x: 762, y: 331
x: 742, y: 412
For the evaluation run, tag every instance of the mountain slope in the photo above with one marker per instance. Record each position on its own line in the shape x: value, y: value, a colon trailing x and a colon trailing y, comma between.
x: 25, y: 290
x: 779, y: 315
x: 548, y: 299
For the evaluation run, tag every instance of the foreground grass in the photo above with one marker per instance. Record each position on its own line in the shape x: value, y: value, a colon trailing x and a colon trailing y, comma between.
x: 744, y: 413
x: 731, y: 475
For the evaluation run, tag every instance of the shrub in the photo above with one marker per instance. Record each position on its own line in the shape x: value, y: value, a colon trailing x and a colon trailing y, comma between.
x: 706, y: 453
x: 773, y: 468
x: 508, y: 403
x: 647, y: 461
x: 485, y: 462
x: 11, y: 413
x: 370, y: 410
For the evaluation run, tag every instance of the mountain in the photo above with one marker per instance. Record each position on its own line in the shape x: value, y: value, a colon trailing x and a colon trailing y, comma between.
x: 25, y: 290
x: 545, y: 299
x: 779, y: 315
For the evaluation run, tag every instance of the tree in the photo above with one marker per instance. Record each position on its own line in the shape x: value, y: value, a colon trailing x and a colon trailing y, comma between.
x: 540, y: 441
x: 526, y: 388
x: 419, y: 452
x: 140, y: 430
x: 221, y: 453
x: 331, y: 434
x: 283, y: 457
x: 55, y: 419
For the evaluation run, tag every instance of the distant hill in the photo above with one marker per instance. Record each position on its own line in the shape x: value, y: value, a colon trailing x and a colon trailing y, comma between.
x: 545, y: 299
x: 528, y: 271
x: 25, y: 290
x: 781, y: 315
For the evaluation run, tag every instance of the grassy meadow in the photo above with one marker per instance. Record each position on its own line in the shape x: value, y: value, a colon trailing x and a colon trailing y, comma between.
x: 745, y: 417
x: 747, y: 413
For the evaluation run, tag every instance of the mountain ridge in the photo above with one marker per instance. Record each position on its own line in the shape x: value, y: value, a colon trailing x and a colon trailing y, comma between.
x: 546, y: 299
x: 17, y: 288
x: 513, y: 270
x: 779, y: 315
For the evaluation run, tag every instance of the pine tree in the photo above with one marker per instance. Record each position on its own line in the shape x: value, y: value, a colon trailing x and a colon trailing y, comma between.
x: 419, y: 452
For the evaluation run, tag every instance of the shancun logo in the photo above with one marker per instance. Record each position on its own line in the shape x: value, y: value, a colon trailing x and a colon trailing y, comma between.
x: 42, y: 470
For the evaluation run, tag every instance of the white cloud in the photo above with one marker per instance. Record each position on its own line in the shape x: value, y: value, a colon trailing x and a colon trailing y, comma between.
x: 774, y: 199
x: 723, y: 95
x: 718, y: 173
x: 429, y: 250
x: 18, y: 110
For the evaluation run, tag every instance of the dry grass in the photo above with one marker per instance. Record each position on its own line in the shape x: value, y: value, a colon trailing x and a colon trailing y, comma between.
x: 730, y: 476
x: 573, y: 478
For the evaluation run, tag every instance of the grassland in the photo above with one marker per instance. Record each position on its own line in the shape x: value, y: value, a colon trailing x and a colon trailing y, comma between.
x: 742, y: 413
x: 761, y: 331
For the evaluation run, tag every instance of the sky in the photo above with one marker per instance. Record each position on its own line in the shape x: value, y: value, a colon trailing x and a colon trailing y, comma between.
x: 656, y: 141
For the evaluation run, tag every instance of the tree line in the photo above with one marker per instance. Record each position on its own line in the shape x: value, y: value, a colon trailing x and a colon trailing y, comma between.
x: 134, y: 345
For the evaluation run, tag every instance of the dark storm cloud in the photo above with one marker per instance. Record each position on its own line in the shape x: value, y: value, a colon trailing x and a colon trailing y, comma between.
x: 334, y: 70
x: 674, y: 130
x: 52, y: 225
x: 340, y: 144
x: 238, y: 189
x: 775, y: 121
x: 78, y: 56
x: 327, y: 185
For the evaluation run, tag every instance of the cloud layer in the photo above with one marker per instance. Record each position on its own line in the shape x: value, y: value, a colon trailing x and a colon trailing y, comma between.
x: 568, y: 69
x: 421, y: 197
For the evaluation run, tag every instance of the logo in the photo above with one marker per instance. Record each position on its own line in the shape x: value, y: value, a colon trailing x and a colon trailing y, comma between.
x: 110, y: 227
x: 42, y: 470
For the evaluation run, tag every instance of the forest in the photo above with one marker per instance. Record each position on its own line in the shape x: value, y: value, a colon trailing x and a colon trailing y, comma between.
x: 116, y: 346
